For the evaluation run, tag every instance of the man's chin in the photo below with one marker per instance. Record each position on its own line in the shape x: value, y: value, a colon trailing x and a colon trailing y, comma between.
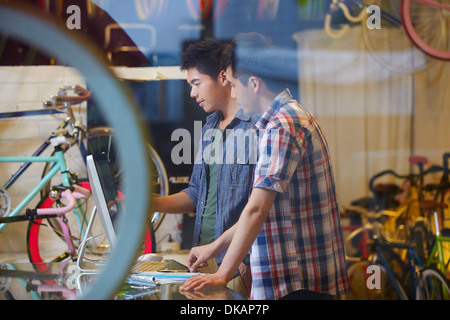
x: 248, y: 110
x: 208, y: 109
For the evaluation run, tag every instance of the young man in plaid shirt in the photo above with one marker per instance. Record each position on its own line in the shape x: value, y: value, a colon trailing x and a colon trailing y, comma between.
x: 291, y: 223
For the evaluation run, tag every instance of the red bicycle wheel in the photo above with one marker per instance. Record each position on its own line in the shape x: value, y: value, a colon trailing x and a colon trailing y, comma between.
x: 34, y: 254
x: 35, y: 246
x: 427, y: 24
x: 57, y: 244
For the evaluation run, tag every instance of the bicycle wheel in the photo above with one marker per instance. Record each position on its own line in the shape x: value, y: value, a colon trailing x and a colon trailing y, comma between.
x: 432, y: 286
x: 361, y: 284
x: 45, y: 239
x: 428, y: 25
x: 70, y: 49
x: 355, y: 245
x: 389, y: 46
x: 99, y: 140
x: 422, y: 239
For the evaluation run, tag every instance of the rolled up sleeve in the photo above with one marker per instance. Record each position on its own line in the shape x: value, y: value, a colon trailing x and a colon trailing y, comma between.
x: 278, y: 157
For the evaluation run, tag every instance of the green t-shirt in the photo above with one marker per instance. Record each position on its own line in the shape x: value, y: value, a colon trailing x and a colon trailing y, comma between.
x: 208, y: 228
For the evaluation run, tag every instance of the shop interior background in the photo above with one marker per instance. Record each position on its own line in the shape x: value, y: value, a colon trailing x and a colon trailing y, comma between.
x: 374, y: 118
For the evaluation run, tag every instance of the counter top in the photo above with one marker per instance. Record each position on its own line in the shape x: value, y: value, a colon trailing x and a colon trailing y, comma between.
x: 64, y: 281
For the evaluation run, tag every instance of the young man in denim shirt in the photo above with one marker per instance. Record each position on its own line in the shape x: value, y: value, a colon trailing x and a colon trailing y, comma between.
x: 220, y: 183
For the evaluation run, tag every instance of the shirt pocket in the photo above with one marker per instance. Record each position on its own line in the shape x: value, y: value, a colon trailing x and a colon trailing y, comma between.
x: 239, y: 175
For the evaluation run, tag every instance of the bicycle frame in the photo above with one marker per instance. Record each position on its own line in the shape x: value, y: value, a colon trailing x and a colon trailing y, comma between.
x: 63, y: 101
x: 436, y: 256
x: 437, y: 248
x: 59, y: 166
x: 415, y: 266
x: 49, y: 282
x: 413, y: 262
x: 58, y: 161
x: 433, y: 259
x: 43, y: 147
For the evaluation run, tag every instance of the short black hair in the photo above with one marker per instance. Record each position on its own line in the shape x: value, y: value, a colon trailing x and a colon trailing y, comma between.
x: 253, y: 54
x: 205, y: 56
x: 229, y: 60
x: 229, y: 56
x: 253, y: 42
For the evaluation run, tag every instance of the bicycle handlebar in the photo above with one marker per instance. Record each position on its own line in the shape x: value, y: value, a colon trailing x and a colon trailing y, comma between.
x: 61, y: 136
x: 335, y: 5
x: 364, y: 212
x: 439, y: 187
x: 61, y: 99
x: 432, y: 169
x: 382, y: 173
x: 445, y: 160
x: 78, y: 193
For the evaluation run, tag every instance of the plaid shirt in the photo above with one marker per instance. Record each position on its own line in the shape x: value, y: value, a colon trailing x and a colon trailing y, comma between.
x: 300, y: 245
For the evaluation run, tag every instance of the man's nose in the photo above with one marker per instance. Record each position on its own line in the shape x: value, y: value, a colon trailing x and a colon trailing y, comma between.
x: 193, y: 92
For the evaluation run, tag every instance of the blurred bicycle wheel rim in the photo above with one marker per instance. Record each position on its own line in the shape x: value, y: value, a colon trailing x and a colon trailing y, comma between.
x: 54, y: 38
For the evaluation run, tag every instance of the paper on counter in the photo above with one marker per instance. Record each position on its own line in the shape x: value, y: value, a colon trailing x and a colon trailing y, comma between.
x: 162, y: 277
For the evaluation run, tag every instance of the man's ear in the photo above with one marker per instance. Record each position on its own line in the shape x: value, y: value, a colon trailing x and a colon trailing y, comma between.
x: 254, y: 83
x: 222, y: 78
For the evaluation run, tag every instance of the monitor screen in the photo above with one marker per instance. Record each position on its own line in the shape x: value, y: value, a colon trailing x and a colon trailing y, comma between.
x: 104, y: 191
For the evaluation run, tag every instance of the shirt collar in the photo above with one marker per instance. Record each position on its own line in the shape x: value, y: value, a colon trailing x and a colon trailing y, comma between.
x: 217, y: 116
x: 281, y: 99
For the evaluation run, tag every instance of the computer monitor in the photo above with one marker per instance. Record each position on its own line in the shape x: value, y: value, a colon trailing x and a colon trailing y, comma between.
x: 104, y: 191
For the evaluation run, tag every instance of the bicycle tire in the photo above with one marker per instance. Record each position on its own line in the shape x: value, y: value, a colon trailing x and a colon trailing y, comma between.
x: 96, y: 140
x: 46, y: 247
x: 352, y: 244
x: 43, y: 248
x: 433, y: 279
x: 95, y: 143
x: 359, y: 290
x: 160, y: 182
x: 422, y: 239
x: 50, y: 246
x: 427, y: 27
x: 74, y: 155
x: 32, y: 27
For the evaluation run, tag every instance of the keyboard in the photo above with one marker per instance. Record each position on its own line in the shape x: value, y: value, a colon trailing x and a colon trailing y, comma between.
x: 148, y: 266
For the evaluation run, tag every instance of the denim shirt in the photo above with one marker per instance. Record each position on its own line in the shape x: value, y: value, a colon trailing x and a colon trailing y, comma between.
x: 234, y: 172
